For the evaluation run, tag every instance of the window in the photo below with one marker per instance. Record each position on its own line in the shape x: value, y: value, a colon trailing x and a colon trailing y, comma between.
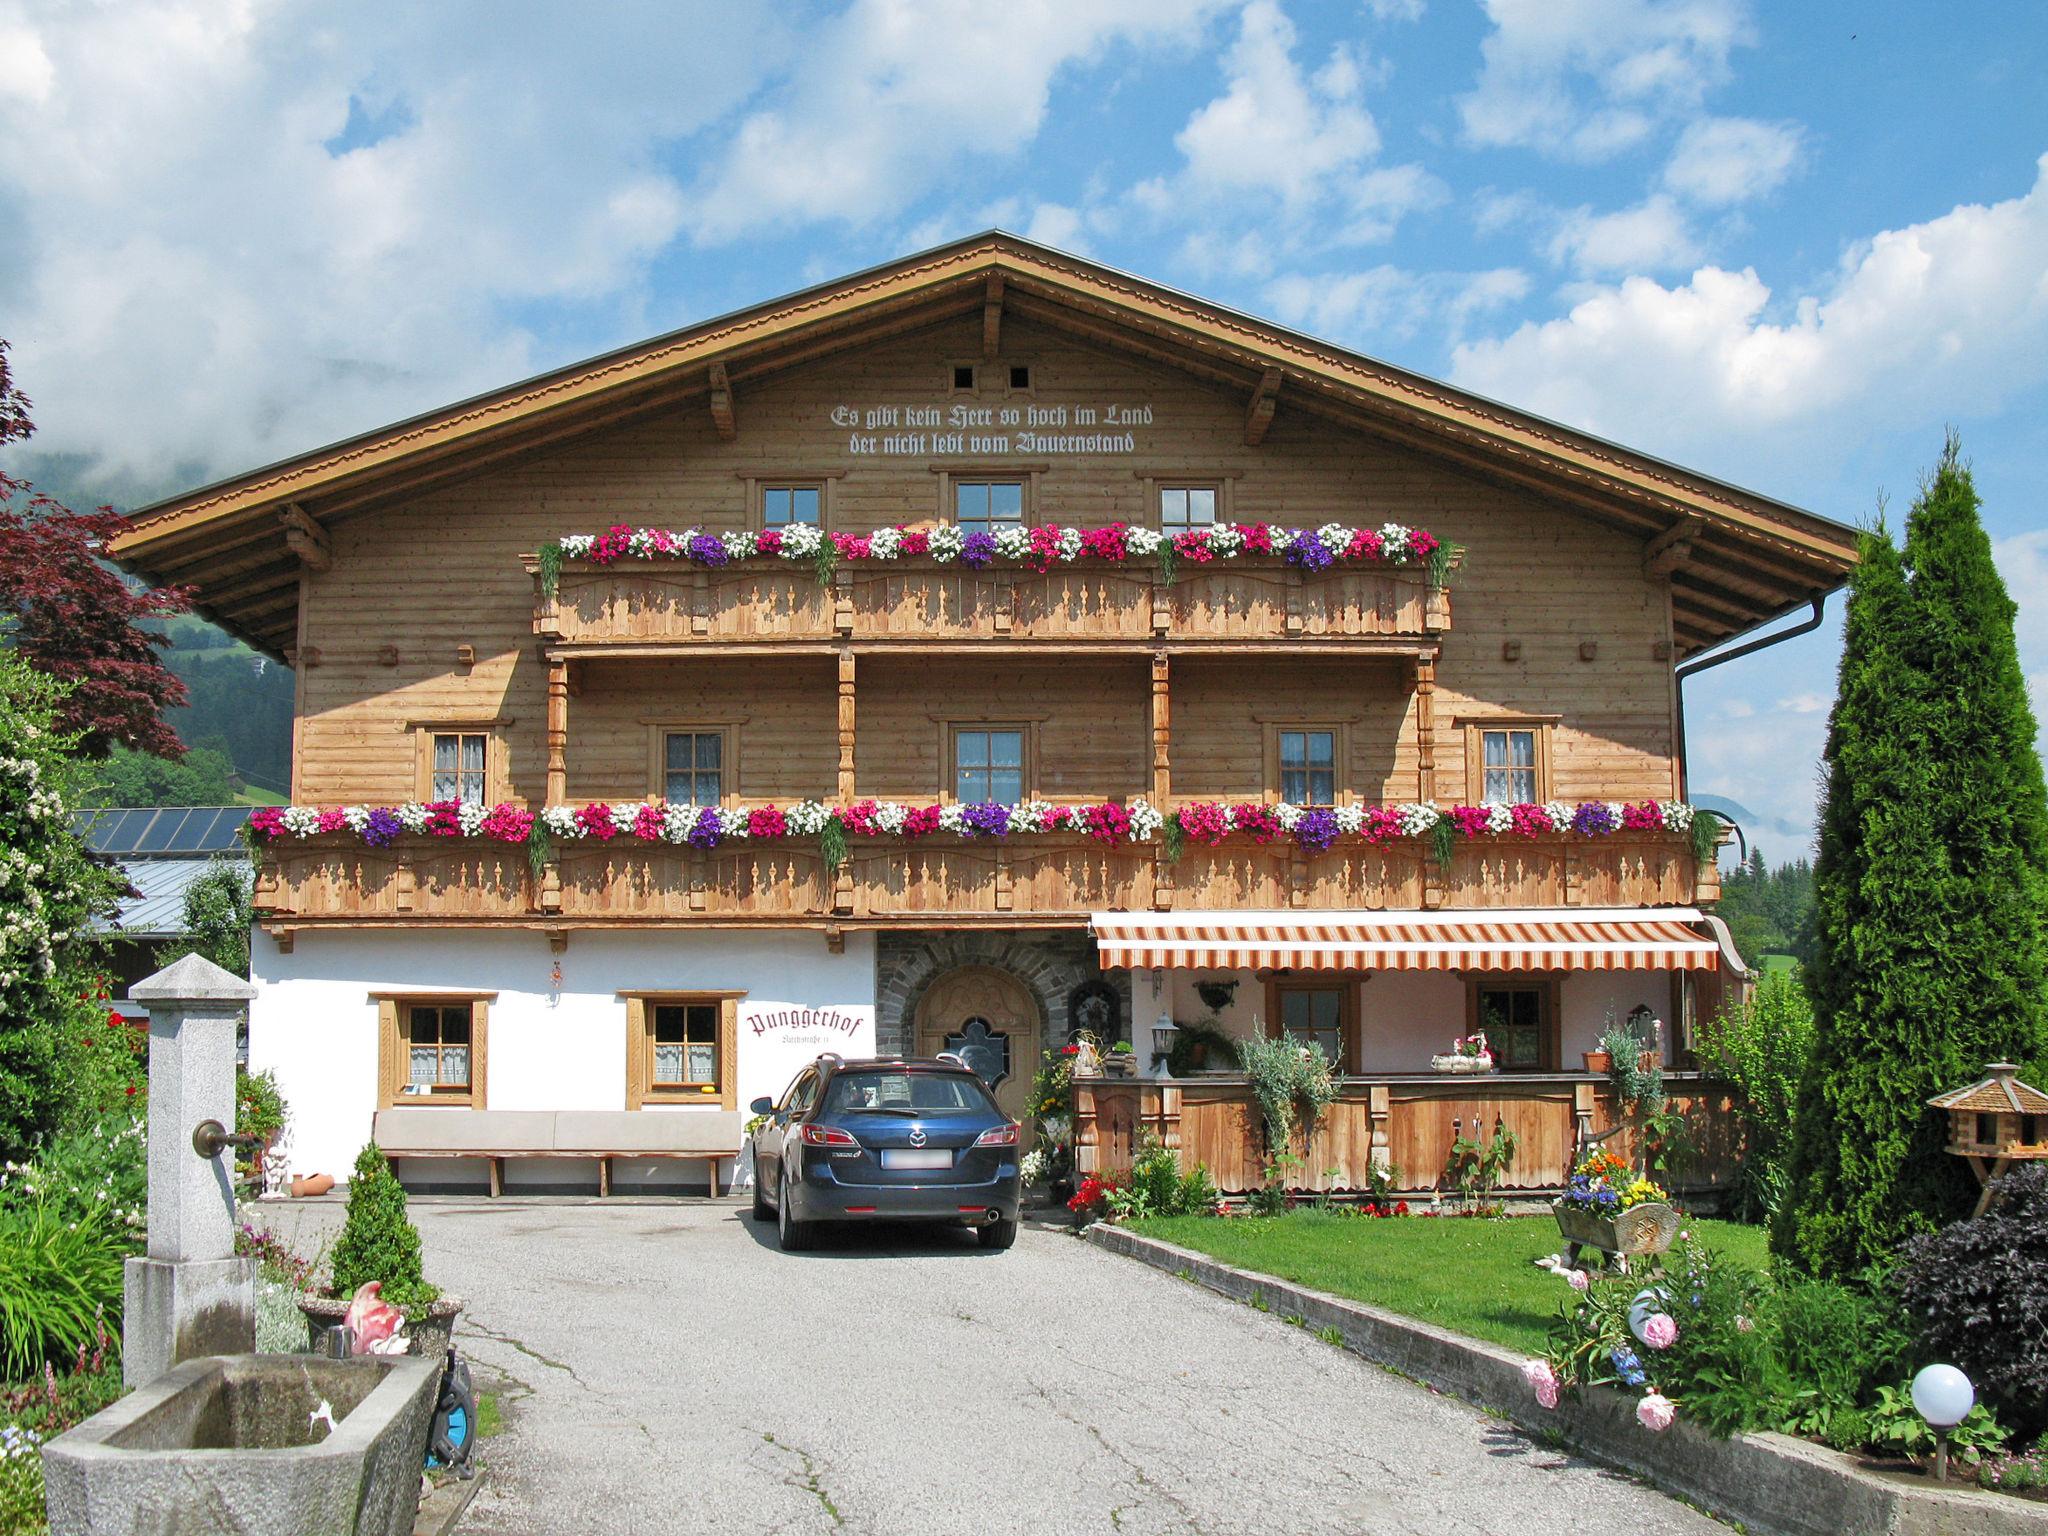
x: 927, y: 1093
x: 1308, y: 767
x: 431, y: 1050
x: 1186, y: 506
x: 988, y: 764
x: 680, y: 1049
x: 988, y: 504
x: 1020, y: 376
x: 458, y: 767
x: 963, y: 378
x: 1509, y: 759
x: 1517, y: 1020
x: 693, y: 767
x: 1316, y: 1016
x: 782, y: 505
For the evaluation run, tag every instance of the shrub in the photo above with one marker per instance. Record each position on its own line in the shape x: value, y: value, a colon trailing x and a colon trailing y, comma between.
x: 1156, y: 1186
x: 98, y: 1171
x: 1976, y: 1295
x: 60, y: 1283
x: 280, y: 1325
x: 1762, y: 1048
x: 378, y: 1240
x: 1290, y: 1083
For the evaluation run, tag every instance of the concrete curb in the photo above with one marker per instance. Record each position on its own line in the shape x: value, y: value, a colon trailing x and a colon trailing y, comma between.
x: 1770, y: 1483
x: 444, y: 1504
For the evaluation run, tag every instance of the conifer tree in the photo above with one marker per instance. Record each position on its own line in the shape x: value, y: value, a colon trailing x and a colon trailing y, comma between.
x: 1929, y: 889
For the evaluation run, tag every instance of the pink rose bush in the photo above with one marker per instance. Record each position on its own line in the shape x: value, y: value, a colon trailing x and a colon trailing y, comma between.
x: 1656, y: 1411
x: 1660, y: 1331
x: 1542, y: 1381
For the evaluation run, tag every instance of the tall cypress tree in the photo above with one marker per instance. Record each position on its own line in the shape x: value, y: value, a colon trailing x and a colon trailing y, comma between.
x: 1930, y: 890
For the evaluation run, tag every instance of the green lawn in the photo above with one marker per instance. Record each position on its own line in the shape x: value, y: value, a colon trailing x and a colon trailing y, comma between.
x: 1470, y: 1275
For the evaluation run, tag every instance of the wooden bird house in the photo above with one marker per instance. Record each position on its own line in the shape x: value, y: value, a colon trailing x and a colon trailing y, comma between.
x: 1994, y: 1123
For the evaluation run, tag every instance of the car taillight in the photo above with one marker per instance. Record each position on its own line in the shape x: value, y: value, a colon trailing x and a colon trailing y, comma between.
x: 1001, y: 1136
x: 827, y: 1136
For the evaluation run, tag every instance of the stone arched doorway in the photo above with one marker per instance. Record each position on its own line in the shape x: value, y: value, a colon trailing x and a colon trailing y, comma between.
x: 992, y: 1019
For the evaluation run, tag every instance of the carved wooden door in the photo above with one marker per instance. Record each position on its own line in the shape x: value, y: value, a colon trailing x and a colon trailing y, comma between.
x: 986, y: 1016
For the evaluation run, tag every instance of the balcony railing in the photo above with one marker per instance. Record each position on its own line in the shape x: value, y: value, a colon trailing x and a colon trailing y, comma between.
x: 1057, y: 878
x: 924, y: 600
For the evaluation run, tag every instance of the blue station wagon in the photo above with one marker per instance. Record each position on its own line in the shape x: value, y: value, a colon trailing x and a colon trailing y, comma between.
x: 886, y: 1139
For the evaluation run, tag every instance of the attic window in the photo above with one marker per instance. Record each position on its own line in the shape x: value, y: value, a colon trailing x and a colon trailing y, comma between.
x: 963, y: 376
x: 1020, y: 376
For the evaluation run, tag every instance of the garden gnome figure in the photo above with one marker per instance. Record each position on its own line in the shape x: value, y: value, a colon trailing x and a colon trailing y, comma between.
x: 189, y: 1295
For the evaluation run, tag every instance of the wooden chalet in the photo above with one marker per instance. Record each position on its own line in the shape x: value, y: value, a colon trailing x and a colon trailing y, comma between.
x: 993, y: 645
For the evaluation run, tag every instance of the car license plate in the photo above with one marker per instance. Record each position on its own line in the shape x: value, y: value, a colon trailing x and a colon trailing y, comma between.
x: 916, y: 1157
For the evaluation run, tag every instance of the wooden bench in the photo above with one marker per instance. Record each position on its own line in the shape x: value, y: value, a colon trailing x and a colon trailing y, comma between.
x: 711, y: 1137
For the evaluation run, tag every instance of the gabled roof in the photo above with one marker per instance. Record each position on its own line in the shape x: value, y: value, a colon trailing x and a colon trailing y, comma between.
x: 1736, y: 558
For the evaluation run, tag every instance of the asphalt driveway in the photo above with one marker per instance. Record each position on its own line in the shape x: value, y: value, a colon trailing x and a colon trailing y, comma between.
x: 665, y: 1368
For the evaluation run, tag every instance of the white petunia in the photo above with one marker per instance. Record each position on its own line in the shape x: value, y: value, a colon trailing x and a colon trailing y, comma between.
x: 732, y: 821
x: 1334, y: 537
x: 801, y: 541
x: 1350, y: 818
x: 1143, y: 541
x: 807, y: 818
x: 1146, y: 821
x: 1070, y: 544
x: 412, y: 816
x: 1226, y: 541
x: 890, y: 816
x: 560, y: 820
x: 739, y: 543
x: 885, y: 543
x: 1419, y: 819
x: 945, y: 542
x: 953, y: 818
x: 1013, y: 543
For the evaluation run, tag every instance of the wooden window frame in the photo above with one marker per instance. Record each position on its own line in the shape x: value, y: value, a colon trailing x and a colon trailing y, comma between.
x: 496, y: 788
x: 1549, y: 1047
x: 641, y: 1090
x: 1156, y: 493
x: 658, y: 733
x: 954, y: 388
x: 1340, y: 749
x: 951, y: 480
x: 1475, y: 729
x: 949, y: 735
x: 393, y: 1063
x: 820, y: 481
x: 1012, y: 389
x: 1280, y: 983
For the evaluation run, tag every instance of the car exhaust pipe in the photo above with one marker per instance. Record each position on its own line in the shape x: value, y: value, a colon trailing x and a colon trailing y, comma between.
x: 991, y: 1216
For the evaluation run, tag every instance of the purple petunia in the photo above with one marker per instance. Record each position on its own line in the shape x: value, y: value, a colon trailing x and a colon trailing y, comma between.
x: 1594, y: 817
x: 1309, y: 552
x: 382, y: 828
x: 987, y: 819
x: 978, y: 549
x: 1316, y: 830
x: 708, y: 549
x: 706, y: 830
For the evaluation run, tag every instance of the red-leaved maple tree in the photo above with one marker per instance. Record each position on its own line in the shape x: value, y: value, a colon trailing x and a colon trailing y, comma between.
x: 71, y: 615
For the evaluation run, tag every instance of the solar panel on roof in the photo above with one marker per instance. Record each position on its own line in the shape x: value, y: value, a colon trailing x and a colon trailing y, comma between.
x: 110, y: 834
x: 155, y: 837
x: 227, y: 832
x: 189, y: 836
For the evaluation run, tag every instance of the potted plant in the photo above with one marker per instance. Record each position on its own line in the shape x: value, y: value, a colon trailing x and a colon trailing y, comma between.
x: 1200, y: 1047
x: 1598, y: 1060
x: 379, y: 1244
x: 1468, y: 1054
x: 1119, y: 1060
x: 1609, y: 1206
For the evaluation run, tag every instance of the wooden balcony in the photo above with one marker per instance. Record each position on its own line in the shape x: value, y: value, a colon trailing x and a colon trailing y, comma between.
x: 1044, y: 880
x: 647, y: 606
x: 1405, y: 1122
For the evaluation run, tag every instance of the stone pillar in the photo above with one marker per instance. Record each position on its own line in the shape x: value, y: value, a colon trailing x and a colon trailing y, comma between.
x: 190, y: 1295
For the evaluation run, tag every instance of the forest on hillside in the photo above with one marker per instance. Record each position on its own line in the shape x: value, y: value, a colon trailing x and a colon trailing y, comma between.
x: 1769, y: 911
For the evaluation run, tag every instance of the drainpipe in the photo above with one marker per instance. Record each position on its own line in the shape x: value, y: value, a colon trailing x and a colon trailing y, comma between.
x: 1806, y: 627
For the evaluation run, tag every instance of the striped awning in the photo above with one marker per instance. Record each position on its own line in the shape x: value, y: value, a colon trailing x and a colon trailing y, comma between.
x: 1617, y: 939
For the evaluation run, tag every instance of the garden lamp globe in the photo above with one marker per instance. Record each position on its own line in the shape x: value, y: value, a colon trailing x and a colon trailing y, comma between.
x: 1943, y: 1396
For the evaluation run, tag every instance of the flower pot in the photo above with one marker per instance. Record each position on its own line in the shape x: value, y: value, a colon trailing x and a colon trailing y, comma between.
x: 429, y: 1332
x: 307, y: 1185
x: 1460, y: 1066
x: 1117, y: 1064
x: 1646, y: 1228
x: 1598, y: 1061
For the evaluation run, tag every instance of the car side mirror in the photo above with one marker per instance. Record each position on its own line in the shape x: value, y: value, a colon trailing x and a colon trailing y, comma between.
x: 761, y: 1107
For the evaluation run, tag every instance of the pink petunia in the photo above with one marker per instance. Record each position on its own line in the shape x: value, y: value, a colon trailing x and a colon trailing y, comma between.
x: 1655, y: 1412
x: 1542, y: 1381
x: 1256, y: 821
x: 767, y: 821
x: 648, y: 823
x: 1204, y: 821
x: 769, y: 541
x: 916, y: 541
x: 921, y: 821
x: 1258, y: 538
x: 1105, y: 543
x: 595, y: 820
x: 1472, y: 820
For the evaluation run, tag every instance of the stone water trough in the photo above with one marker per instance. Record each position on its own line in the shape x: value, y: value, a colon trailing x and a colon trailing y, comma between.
x: 229, y: 1444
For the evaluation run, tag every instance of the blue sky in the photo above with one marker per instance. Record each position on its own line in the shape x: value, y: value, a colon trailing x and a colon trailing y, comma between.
x: 1787, y: 244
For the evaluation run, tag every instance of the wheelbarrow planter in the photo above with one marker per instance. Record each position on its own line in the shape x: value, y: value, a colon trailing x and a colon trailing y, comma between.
x: 1641, y: 1229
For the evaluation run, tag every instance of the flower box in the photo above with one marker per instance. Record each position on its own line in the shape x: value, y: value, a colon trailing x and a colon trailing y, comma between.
x: 1646, y: 1228
x: 1461, y: 1065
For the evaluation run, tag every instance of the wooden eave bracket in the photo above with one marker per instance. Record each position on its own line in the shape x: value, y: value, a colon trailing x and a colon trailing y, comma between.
x: 1265, y: 401
x: 305, y: 538
x: 722, y: 416
x: 992, y: 316
x: 1671, y: 548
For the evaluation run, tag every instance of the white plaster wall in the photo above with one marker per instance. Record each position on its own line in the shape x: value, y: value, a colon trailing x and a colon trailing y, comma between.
x: 1590, y: 997
x: 1410, y: 1016
x: 314, y: 1023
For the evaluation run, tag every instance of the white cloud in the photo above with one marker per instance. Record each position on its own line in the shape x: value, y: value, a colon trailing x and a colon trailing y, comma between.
x: 197, y: 282
x: 1919, y: 324
x: 1586, y: 79
x: 1274, y: 130
x: 1395, y: 10
x: 2023, y: 562
x: 1652, y: 236
x: 1380, y: 199
x: 1367, y: 309
x: 1725, y: 160
x: 25, y: 69
x: 891, y: 95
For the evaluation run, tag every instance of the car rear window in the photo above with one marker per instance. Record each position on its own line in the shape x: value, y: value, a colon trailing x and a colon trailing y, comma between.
x: 930, y: 1093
